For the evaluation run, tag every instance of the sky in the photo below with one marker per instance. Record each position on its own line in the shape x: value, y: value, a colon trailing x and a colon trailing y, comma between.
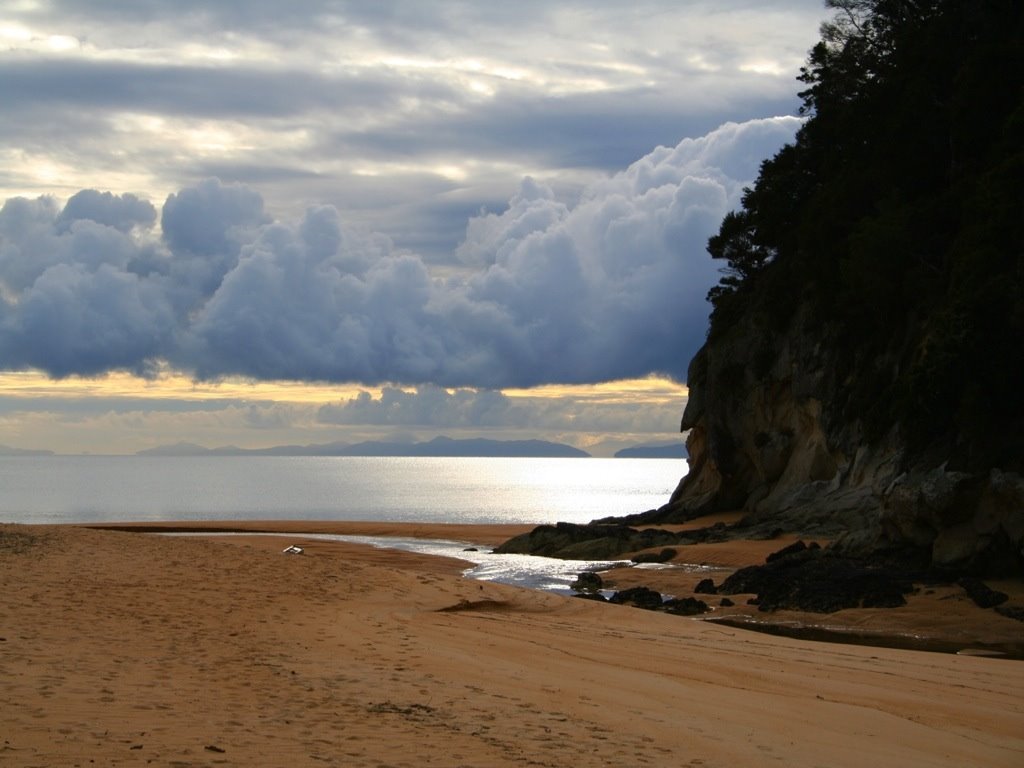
x: 258, y: 223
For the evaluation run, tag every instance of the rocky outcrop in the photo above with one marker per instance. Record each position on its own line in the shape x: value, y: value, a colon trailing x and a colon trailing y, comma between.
x: 606, y: 541
x: 771, y: 432
x: 813, y: 579
x: 763, y: 437
x: 652, y: 600
x: 570, y: 541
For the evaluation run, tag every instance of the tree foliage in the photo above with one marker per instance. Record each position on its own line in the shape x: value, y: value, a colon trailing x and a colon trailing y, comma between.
x: 896, y: 216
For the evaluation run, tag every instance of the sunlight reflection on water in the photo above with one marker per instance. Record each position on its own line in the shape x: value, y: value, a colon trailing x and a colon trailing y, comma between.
x: 78, y: 489
x: 546, y: 573
x: 530, y: 571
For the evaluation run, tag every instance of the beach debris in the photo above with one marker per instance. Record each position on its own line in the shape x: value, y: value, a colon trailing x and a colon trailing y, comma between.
x: 293, y: 550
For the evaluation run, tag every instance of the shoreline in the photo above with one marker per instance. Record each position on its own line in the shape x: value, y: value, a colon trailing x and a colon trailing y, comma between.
x: 189, y: 651
x: 941, y: 622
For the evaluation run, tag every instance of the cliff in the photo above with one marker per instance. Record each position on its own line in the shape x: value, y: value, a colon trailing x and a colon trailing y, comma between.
x: 863, y: 373
x: 777, y: 443
x: 864, y: 366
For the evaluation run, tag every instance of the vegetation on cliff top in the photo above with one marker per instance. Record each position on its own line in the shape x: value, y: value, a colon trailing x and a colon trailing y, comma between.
x: 895, y: 221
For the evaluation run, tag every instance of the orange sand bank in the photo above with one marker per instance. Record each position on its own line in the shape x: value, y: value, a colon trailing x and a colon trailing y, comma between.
x: 124, y: 649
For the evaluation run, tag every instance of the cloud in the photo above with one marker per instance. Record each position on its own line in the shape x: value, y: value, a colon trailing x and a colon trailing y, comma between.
x: 428, y: 406
x: 120, y: 212
x: 210, y: 218
x: 73, y: 320
x: 609, y: 287
x: 382, y: 109
x: 481, y: 410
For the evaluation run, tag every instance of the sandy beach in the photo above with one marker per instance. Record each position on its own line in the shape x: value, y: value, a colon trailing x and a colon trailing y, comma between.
x: 118, y: 648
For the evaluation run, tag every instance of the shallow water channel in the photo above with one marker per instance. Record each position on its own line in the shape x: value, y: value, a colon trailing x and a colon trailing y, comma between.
x: 544, y: 573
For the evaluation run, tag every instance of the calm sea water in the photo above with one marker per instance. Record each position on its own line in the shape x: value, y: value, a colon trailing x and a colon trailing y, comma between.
x: 64, y: 489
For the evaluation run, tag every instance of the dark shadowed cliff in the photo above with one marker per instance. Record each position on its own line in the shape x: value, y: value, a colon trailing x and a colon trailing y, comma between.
x: 863, y: 375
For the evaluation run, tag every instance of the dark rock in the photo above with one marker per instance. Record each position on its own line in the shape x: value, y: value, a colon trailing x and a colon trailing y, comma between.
x: 570, y: 541
x: 883, y: 598
x: 471, y: 549
x: 1015, y: 612
x: 587, y: 581
x: 641, y: 597
x: 725, y: 602
x: 810, y: 580
x: 711, y: 533
x: 795, y: 548
x: 685, y: 606
x: 705, y: 587
x: 981, y: 593
x: 655, y: 557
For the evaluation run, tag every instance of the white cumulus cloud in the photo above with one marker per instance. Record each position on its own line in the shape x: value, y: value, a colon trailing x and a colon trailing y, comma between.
x: 609, y: 287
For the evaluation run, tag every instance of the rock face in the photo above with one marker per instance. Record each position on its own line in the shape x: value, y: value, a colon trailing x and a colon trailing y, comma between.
x: 769, y: 434
x: 863, y: 369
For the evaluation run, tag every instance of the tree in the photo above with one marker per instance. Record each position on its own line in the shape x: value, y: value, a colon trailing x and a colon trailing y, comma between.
x: 894, y: 219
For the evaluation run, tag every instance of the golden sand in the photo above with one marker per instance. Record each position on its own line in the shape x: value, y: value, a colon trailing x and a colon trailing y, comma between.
x: 127, y: 649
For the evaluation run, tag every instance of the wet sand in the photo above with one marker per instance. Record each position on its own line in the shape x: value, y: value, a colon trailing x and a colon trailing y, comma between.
x: 123, y: 649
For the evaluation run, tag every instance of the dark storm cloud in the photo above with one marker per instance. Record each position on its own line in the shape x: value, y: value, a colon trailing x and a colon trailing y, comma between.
x: 595, y: 131
x: 205, y: 91
x: 609, y: 287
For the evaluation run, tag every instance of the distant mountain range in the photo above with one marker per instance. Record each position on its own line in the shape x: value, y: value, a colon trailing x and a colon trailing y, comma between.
x: 6, y: 450
x: 439, y: 446
x: 669, y: 451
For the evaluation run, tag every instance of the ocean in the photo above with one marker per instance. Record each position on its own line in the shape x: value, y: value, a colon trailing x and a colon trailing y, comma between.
x: 83, y: 489
x: 89, y: 489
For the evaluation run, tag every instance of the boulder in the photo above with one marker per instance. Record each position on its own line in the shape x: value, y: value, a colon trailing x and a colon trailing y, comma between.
x: 587, y: 581
x: 641, y: 597
x: 705, y: 587
x: 685, y: 606
x: 663, y: 556
x: 981, y: 593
